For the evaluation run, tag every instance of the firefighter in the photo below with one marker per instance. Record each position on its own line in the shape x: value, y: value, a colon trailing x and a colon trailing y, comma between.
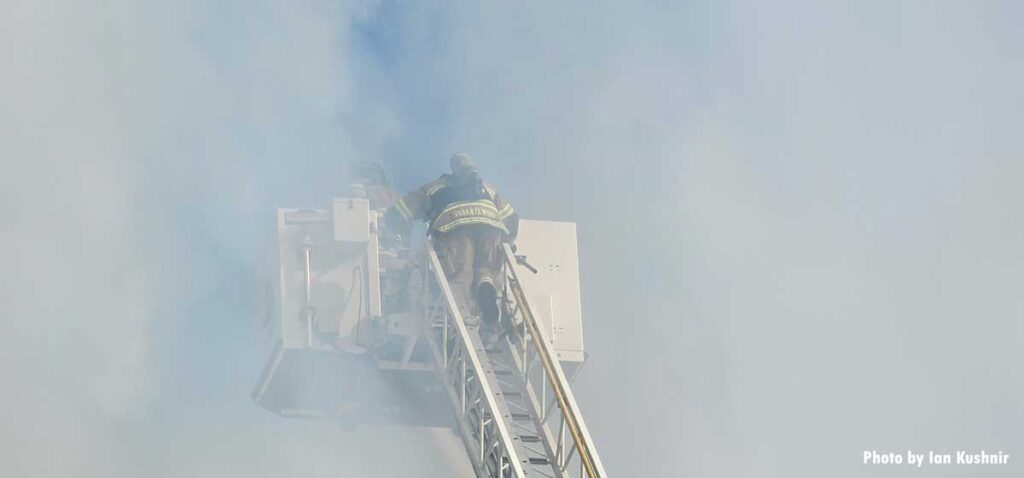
x: 468, y: 222
x: 369, y: 181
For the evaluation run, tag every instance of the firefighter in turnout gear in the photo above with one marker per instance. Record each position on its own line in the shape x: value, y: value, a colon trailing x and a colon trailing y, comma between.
x: 370, y: 182
x: 468, y: 222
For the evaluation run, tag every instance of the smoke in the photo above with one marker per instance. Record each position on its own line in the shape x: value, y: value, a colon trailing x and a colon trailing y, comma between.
x: 145, y: 148
x: 77, y: 358
x: 799, y: 223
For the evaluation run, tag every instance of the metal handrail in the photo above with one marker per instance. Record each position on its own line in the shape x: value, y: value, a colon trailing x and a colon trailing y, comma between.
x: 573, y: 417
x: 470, y: 351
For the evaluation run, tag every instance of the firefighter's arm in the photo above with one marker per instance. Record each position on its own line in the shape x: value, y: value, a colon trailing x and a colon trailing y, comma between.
x: 407, y: 209
x: 512, y: 224
x: 508, y: 216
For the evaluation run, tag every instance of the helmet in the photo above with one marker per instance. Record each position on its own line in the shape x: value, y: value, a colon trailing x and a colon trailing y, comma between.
x: 370, y: 171
x: 463, y: 166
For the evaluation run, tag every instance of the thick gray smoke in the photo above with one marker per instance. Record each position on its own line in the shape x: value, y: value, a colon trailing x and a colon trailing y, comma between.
x: 800, y: 224
x: 144, y: 149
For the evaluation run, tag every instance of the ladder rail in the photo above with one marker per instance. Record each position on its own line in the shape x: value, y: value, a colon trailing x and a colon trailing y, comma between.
x: 551, y: 448
x: 481, y: 415
x: 583, y: 446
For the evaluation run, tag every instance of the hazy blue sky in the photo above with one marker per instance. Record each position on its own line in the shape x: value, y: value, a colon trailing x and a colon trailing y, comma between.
x: 800, y: 222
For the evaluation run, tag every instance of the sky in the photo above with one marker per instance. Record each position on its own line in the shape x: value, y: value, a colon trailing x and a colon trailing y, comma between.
x: 799, y: 222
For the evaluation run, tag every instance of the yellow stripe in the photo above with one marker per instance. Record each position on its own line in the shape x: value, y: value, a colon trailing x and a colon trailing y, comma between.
x: 468, y: 212
x: 433, y: 189
x: 403, y: 209
x: 482, y: 203
x: 505, y: 211
x: 472, y: 220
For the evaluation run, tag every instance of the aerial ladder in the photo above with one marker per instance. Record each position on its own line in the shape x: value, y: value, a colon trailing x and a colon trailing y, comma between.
x: 357, y: 332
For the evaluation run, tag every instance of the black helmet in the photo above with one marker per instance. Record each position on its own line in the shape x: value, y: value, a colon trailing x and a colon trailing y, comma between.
x: 370, y: 171
x: 463, y: 166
